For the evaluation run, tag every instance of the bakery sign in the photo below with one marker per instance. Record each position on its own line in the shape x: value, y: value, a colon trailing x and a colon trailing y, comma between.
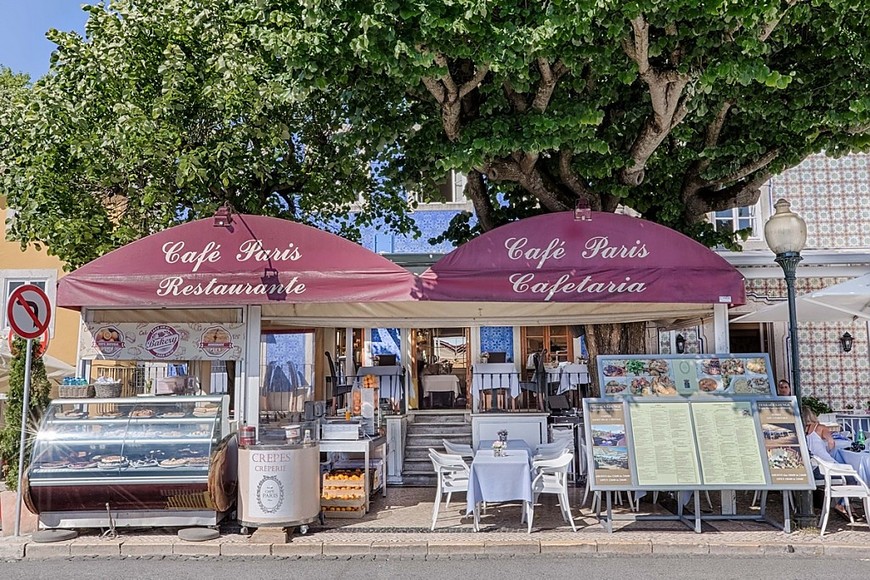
x: 149, y: 341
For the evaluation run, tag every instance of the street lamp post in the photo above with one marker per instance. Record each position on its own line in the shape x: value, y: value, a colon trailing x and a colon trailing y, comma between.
x: 786, y: 235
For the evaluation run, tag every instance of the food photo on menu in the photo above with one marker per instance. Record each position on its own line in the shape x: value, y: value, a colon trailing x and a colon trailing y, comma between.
x: 610, y: 458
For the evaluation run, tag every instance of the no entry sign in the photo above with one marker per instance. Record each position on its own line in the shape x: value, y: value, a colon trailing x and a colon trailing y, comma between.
x: 28, y: 311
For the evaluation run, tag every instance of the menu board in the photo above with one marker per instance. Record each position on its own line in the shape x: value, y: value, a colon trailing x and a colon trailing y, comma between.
x: 664, y: 445
x: 780, y: 428
x: 672, y: 375
x: 728, y: 443
x: 684, y: 444
x: 606, y: 423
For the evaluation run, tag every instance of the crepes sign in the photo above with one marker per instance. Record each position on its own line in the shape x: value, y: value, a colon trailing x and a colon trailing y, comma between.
x: 148, y: 341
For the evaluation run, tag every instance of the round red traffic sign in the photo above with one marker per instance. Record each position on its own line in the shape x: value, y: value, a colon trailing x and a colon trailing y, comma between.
x: 28, y: 311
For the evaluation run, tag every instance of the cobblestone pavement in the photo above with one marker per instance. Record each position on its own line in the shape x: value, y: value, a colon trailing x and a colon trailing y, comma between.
x: 398, y: 525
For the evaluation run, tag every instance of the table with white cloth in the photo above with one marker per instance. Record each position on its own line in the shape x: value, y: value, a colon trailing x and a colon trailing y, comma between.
x: 487, y: 376
x: 440, y: 384
x: 389, y: 380
x: 512, y: 444
x: 860, y: 461
x: 572, y: 375
x: 498, y: 479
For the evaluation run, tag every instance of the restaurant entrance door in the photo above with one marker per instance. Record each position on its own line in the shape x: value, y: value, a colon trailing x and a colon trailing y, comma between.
x: 442, y: 367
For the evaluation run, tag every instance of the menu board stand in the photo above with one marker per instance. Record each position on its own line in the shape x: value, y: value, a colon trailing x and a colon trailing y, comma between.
x: 693, y: 444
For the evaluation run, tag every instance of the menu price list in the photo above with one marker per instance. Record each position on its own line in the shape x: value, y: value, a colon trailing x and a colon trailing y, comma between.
x: 664, y: 446
x: 728, y: 443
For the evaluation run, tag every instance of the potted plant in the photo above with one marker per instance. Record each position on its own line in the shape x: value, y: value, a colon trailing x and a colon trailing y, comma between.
x: 10, y: 436
x: 850, y: 408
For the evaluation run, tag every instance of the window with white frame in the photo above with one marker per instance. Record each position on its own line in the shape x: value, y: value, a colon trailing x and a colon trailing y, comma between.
x: 738, y: 218
x: 451, y: 190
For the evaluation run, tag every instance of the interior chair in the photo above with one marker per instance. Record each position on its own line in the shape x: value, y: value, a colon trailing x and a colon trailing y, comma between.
x: 386, y: 360
x: 453, y: 475
x: 461, y: 449
x: 551, y: 476
x: 830, y: 472
x: 335, y: 386
x: 497, y: 357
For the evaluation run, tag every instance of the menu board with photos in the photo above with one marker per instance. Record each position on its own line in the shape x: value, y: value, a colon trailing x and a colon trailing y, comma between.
x: 607, y: 438
x: 677, y: 443
x: 685, y: 374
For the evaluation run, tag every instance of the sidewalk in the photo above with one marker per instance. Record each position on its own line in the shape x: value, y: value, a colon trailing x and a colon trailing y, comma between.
x: 398, y: 525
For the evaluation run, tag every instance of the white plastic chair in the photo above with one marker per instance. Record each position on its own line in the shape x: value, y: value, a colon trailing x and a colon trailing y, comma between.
x: 461, y: 449
x: 833, y: 489
x: 551, y: 476
x: 453, y: 474
x: 555, y: 449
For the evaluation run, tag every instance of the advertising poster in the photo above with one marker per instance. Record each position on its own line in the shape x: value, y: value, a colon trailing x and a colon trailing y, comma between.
x: 664, y: 446
x: 779, y: 427
x: 669, y: 375
x: 162, y: 341
x: 606, y: 422
x: 728, y: 443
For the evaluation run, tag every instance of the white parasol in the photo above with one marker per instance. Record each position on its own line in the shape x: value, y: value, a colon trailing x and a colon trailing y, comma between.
x: 845, y: 302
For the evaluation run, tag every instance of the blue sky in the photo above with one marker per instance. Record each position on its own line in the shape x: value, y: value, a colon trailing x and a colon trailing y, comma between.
x: 23, y: 24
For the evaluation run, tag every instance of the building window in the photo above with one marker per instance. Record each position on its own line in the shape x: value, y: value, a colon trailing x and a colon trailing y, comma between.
x: 451, y: 190
x: 738, y: 218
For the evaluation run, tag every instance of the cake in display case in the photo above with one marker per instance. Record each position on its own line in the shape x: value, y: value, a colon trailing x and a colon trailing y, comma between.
x: 141, y: 461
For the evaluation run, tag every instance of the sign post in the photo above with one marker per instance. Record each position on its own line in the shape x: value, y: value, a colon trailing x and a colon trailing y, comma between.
x: 29, y: 313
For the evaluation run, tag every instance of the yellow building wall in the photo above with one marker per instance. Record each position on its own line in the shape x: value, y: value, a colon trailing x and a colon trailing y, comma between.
x: 64, y: 340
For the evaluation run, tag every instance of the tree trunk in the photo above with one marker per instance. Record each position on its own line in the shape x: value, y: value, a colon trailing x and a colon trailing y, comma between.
x: 619, y: 338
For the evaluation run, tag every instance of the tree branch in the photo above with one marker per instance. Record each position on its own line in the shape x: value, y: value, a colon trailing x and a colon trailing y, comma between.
x: 476, y: 191
x: 516, y: 99
x: 666, y: 96
x: 449, y: 96
x: 749, y: 168
x: 549, y: 78
x: 769, y: 27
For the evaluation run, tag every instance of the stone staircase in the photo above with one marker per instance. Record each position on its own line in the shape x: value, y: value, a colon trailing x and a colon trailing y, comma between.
x: 427, y: 430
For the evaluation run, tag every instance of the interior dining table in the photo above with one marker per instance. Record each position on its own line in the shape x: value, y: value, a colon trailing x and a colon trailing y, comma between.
x: 499, y: 479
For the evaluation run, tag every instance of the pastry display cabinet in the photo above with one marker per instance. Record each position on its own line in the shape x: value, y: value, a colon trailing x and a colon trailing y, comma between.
x: 139, y: 461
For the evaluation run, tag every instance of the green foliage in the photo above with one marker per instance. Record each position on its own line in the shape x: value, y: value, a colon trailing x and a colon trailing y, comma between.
x: 40, y: 389
x: 167, y: 108
x: 300, y: 110
x: 816, y: 405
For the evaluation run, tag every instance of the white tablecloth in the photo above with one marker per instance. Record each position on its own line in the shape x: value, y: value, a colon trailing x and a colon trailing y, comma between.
x: 495, y: 479
x: 860, y: 461
x: 572, y: 375
x: 495, y: 376
x: 389, y: 379
x: 512, y: 445
x: 440, y: 384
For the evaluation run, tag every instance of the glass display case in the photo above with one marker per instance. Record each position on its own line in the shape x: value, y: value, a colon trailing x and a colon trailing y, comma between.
x: 120, y: 461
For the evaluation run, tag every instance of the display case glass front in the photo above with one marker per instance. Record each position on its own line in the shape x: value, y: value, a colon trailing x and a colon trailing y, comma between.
x: 137, y: 439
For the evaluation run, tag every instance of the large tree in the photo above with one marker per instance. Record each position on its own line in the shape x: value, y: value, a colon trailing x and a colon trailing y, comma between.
x: 676, y: 108
x: 164, y: 110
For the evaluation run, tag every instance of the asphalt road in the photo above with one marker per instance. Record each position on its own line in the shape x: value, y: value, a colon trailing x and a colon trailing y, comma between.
x: 460, y: 568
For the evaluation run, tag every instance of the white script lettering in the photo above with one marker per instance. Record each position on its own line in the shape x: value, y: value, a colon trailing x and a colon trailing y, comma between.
x: 600, y: 245
x: 254, y: 250
x: 516, y: 250
x: 523, y: 283
x: 174, y: 252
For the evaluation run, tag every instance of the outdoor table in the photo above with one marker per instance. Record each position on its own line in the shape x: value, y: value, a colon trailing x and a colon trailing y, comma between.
x: 497, y: 479
x: 440, y: 384
x: 859, y: 461
x: 490, y: 376
x: 572, y: 375
x: 389, y: 380
x: 512, y: 445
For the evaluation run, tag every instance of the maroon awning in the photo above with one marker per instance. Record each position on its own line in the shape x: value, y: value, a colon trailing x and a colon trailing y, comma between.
x: 609, y: 258
x: 256, y: 260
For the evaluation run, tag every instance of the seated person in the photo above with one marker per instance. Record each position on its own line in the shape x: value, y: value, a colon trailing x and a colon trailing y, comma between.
x: 820, y: 443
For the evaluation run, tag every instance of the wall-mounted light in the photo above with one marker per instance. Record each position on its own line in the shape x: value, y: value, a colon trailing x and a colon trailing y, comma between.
x: 223, y: 216
x: 846, y: 342
x: 680, y: 343
x: 582, y: 213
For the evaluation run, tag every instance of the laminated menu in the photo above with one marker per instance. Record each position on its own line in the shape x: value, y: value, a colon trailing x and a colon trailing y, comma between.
x: 728, y: 443
x: 663, y: 445
x: 609, y: 449
x: 780, y: 428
